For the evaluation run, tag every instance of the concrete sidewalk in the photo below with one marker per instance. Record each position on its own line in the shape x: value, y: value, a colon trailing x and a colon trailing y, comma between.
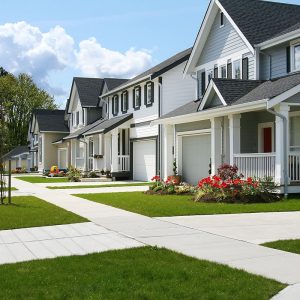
x: 275, y: 264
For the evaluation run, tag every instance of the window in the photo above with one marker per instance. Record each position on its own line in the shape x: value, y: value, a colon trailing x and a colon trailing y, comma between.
x: 77, y: 118
x: 221, y: 19
x: 149, y: 94
x: 115, y: 105
x: 209, y: 75
x: 83, y: 117
x: 223, y: 71
x: 237, y: 69
x: 229, y: 69
x: 245, y: 68
x: 137, y: 98
x: 216, y: 71
x: 124, y: 102
x: 296, y: 57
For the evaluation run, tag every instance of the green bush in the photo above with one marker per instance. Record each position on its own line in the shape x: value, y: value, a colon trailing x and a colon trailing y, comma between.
x: 74, y: 175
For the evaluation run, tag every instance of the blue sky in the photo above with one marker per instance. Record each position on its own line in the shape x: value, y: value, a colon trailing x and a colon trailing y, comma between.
x: 56, y: 40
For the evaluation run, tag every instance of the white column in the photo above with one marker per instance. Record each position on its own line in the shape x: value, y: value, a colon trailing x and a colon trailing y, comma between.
x: 168, y: 155
x: 283, y: 109
x: 234, y: 136
x: 114, y: 151
x: 216, y: 144
x: 107, y: 151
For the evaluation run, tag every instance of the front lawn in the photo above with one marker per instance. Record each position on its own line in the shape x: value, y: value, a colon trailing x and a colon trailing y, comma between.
x: 141, y: 273
x: 32, y: 212
x: 40, y: 179
x: 97, y: 186
x: 172, y: 205
x: 285, y: 245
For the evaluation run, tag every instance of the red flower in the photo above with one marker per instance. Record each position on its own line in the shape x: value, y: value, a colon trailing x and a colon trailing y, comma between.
x: 156, y: 178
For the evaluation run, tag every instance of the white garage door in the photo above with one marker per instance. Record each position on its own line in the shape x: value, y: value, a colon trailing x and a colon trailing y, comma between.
x: 196, y: 153
x: 144, y: 160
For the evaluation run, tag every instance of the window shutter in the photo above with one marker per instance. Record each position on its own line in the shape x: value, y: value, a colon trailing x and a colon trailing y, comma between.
x: 229, y: 71
x: 203, y: 83
x: 145, y: 94
x: 288, y: 59
x: 122, y: 100
x: 126, y: 102
x: 113, y: 106
x: 245, y: 68
x: 152, y: 92
x: 140, y: 93
x: 133, y: 98
x: 216, y: 72
x: 117, y: 103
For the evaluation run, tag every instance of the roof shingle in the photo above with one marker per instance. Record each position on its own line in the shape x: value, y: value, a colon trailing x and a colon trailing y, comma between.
x: 51, y: 120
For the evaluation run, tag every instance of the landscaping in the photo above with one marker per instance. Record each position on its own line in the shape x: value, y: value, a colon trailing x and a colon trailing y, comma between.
x: 285, y: 245
x: 41, y: 179
x: 97, y: 186
x: 180, y: 205
x: 33, y: 212
x: 141, y: 273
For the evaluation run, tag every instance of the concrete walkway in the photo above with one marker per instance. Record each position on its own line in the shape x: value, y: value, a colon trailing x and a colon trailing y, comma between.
x: 196, y: 242
x: 63, y: 240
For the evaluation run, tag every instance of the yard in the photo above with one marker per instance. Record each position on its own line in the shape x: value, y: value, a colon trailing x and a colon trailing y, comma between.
x: 33, y: 212
x: 285, y: 245
x: 173, y: 205
x: 97, y: 186
x: 141, y: 273
x: 40, y: 179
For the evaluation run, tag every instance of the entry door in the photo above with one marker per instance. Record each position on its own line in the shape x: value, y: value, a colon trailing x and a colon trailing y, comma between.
x: 267, y: 140
x: 62, y: 158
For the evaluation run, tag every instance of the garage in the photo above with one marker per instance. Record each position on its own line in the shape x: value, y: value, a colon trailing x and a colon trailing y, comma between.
x: 144, y: 160
x: 196, y: 153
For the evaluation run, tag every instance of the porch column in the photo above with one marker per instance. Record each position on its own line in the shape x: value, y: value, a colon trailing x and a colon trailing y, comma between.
x: 107, y: 151
x: 216, y: 144
x: 234, y: 135
x: 283, y: 109
x: 114, y: 151
x: 168, y: 155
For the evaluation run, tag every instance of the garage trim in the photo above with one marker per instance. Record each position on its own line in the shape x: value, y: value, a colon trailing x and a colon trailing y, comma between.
x: 178, y: 150
x: 151, y: 138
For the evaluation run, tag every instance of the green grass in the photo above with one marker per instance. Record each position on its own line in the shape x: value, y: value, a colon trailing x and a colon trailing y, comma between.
x: 170, y: 205
x: 137, y: 274
x: 32, y: 212
x: 96, y: 186
x: 285, y: 245
x: 40, y: 179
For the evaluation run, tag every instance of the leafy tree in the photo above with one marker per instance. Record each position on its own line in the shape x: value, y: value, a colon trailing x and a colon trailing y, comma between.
x: 3, y: 72
x: 19, y: 96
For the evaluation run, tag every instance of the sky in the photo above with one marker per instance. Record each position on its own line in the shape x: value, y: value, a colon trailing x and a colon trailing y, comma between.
x: 56, y: 40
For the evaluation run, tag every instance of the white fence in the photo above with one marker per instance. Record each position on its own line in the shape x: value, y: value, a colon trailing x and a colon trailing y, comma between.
x: 124, y: 163
x: 258, y: 165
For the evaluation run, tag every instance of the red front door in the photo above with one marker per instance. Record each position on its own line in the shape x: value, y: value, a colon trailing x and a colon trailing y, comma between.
x: 267, y: 139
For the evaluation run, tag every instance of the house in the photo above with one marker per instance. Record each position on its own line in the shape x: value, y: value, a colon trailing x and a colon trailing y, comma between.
x: 18, y: 157
x: 247, y: 61
x: 46, y: 127
x: 123, y: 140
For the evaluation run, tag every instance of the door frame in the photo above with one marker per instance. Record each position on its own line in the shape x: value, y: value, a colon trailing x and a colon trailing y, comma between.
x: 59, y: 156
x: 178, y: 144
x: 260, y: 143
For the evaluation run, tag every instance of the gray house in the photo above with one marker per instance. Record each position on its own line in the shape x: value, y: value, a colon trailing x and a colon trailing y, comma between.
x: 247, y: 61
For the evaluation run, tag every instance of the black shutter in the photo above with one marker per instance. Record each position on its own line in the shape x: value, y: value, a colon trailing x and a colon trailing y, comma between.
x: 145, y: 94
x: 140, y: 93
x: 216, y: 72
x: 117, y: 111
x: 126, y: 102
x: 122, y: 100
x: 229, y: 70
x: 288, y: 59
x: 152, y: 92
x: 203, y: 83
x: 133, y: 98
x: 113, y: 106
x: 245, y: 68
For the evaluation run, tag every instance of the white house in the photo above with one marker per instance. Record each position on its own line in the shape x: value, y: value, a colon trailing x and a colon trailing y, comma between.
x: 247, y: 61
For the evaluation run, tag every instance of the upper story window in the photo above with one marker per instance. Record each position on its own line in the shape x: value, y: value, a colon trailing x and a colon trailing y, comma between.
x: 237, y: 69
x: 295, y: 51
x: 124, y: 102
x: 149, y: 93
x: 223, y: 73
x: 77, y: 118
x: 115, y: 105
x: 137, y: 97
x: 221, y: 19
x: 83, y: 116
x: 209, y: 76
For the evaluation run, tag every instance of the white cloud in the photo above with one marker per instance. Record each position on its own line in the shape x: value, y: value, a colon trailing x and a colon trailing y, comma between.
x: 25, y: 48
x: 95, y: 60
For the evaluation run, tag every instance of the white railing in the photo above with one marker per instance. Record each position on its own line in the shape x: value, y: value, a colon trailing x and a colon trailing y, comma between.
x: 294, y: 166
x: 258, y: 165
x: 124, y: 163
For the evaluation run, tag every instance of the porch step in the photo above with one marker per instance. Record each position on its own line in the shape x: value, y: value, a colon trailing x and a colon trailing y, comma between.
x: 101, y: 179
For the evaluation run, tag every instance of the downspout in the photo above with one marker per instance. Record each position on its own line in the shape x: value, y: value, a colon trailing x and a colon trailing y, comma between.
x: 285, y: 150
x: 160, y: 98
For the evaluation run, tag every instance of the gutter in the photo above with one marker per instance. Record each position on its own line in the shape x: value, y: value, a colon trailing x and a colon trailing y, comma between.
x: 285, y: 151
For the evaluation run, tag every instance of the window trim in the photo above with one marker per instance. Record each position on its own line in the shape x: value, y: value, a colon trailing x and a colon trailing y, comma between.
x: 115, y: 105
x: 137, y: 107
x: 146, y: 90
x: 233, y: 69
x: 220, y: 72
x: 293, y: 45
x: 123, y: 98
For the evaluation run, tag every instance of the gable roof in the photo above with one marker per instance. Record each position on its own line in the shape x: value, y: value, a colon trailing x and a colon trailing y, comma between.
x: 51, y: 120
x: 157, y: 70
x: 16, y: 151
x: 261, y: 20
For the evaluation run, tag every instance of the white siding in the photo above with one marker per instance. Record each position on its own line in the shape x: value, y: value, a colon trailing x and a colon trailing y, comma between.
x: 176, y: 90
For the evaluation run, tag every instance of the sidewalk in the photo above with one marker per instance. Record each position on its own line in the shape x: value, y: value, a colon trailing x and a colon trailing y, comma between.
x: 275, y: 264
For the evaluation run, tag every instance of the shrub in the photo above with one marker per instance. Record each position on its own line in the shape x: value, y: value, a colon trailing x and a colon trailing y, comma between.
x: 228, y: 172
x: 93, y: 175
x: 74, y: 174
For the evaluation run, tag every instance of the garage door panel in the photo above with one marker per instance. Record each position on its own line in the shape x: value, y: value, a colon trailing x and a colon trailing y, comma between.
x: 196, y: 153
x: 144, y: 160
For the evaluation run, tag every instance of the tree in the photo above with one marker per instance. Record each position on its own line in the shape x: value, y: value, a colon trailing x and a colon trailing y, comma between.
x: 19, y: 96
x: 3, y: 72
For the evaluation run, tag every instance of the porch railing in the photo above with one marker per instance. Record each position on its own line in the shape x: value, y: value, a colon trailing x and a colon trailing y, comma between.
x: 124, y: 163
x: 294, y: 166
x: 258, y: 165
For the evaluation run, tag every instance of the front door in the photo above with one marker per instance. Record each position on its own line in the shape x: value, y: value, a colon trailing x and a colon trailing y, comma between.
x: 266, y: 138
